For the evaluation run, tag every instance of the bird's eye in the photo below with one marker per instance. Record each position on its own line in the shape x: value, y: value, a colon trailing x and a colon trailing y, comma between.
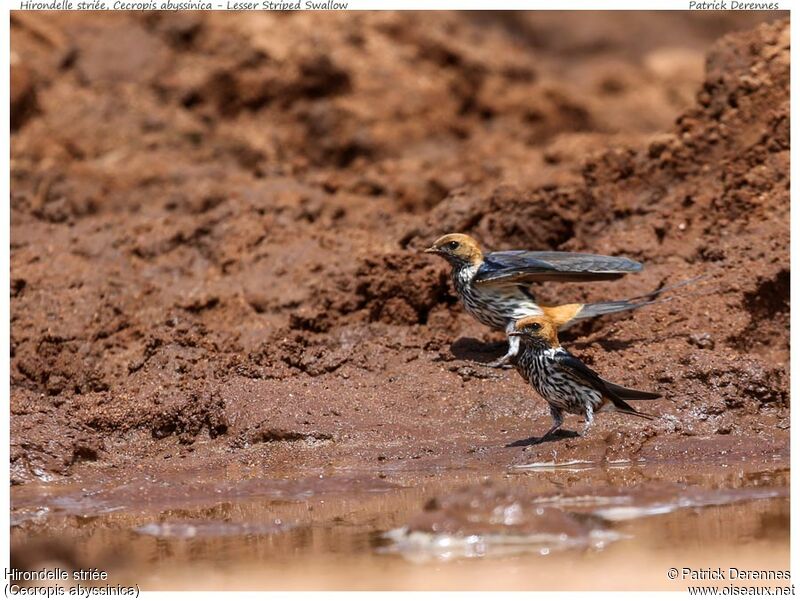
x: 452, y: 245
x: 535, y: 327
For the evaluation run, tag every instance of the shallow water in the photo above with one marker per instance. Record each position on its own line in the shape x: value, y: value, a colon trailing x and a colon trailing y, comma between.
x: 620, y: 525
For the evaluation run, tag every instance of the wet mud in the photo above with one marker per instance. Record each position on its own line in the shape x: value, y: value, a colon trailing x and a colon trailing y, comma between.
x: 219, y: 307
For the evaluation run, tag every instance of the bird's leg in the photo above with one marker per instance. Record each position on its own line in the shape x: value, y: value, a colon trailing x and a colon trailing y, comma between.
x: 589, y: 419
x: 558, y: 419
x: 513, y: 349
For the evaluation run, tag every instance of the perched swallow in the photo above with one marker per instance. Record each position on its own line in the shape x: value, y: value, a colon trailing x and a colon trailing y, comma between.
x: 494, y: 286
x: 563, y: 380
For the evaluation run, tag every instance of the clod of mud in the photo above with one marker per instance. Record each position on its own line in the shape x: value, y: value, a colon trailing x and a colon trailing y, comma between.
x: 23, y: 94
x: 491, y: 519
x: 488, y: 520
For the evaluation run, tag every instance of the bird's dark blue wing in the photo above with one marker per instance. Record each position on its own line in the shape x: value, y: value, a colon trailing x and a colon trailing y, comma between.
x: 539, y: 266
x: 617, y: 394
x: 580, y: 371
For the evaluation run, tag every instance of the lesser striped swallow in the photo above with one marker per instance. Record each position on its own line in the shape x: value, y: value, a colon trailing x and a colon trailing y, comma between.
x: 563, y: 380
x: 494, y: 287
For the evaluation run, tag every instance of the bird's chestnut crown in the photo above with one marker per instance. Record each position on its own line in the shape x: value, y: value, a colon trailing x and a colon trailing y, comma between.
x: 458, y: 249
x: 537, y: 328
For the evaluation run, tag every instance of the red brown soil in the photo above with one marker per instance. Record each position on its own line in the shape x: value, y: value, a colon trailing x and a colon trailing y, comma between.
x: 217, y: 218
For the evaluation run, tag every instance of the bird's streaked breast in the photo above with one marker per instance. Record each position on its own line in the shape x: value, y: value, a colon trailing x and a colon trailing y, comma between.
x: 554, y: 384
x: 493, y: 306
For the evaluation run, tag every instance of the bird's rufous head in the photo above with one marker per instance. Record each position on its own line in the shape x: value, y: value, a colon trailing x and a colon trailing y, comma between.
x: 458, y: 249
x: 537, y: 329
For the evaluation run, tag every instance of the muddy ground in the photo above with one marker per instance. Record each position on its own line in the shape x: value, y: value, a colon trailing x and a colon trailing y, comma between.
x: 217, y: 218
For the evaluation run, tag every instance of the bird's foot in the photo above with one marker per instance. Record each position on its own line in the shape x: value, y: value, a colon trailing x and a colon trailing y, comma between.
x: 503, y: 363
x: 589, y: 422
x: 534, y: 440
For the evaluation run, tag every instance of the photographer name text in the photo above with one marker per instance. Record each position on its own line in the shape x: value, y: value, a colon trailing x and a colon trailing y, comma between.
x: 733, y: 5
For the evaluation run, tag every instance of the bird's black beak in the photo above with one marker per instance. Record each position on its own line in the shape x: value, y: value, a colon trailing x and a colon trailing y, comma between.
x: 516, y: 333
x: 432, y: 251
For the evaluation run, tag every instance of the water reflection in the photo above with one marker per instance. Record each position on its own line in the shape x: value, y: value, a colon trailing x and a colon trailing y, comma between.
x: 156, y: 530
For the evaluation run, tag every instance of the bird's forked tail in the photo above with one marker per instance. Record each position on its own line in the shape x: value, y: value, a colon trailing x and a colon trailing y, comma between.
x: 619, y: 394
x: 566, y: 315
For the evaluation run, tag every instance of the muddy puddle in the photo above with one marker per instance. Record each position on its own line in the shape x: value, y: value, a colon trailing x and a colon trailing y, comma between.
x: 621, y: 524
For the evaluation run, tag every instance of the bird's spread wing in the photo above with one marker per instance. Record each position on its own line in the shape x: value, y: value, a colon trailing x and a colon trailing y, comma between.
x: 540, y: 266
